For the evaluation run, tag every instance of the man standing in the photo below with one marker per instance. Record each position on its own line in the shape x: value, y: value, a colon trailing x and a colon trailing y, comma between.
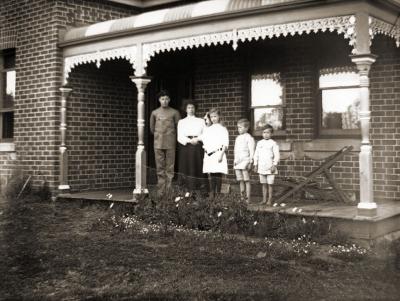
x: 163, y: 122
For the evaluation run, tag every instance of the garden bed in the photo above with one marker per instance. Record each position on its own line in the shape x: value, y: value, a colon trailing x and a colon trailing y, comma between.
x: 81, y: 251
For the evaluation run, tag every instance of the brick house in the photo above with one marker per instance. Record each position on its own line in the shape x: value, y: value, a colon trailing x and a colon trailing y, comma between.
x: 80, y: 78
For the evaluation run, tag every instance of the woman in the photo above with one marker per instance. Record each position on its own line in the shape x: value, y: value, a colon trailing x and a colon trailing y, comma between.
x: 190, y: 150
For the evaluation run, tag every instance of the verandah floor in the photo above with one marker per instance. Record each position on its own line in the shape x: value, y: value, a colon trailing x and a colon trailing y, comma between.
x: 386, y: 222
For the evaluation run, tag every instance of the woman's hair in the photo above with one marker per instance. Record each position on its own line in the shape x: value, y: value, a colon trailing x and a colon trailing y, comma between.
x: 244, y: 122
x: 187, y: 102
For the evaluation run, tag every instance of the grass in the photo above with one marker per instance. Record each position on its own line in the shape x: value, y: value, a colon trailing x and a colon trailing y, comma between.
x: 73, y: 251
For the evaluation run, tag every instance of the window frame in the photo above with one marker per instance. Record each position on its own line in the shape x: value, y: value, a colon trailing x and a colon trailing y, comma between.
x: 273, y: 75
x: 3, y: 72
x: 333, y: 133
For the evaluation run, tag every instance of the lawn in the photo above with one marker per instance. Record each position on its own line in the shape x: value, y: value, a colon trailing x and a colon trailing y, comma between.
x: 78, y: 251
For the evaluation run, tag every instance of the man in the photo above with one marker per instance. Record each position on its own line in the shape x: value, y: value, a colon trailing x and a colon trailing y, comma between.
x: 163, y: 122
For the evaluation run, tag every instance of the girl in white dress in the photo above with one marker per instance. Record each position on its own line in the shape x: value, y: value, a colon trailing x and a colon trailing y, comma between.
x: 215, y: 140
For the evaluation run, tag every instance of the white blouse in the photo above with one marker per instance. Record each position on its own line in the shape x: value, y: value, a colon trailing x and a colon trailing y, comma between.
x: 190, y: 126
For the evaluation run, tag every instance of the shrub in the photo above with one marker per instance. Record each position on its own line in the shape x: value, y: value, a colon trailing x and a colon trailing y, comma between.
x: 395, y: 249
x: 227, y: 214
x: 348, y: 252
x: 18, y: 185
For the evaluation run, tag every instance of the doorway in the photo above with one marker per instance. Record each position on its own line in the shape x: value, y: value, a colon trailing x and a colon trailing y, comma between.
x: 172, y: 72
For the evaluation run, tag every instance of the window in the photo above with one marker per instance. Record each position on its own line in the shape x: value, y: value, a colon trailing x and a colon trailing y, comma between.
x: 339, y: 102
x: 267, y: 102
x: 7, y: 95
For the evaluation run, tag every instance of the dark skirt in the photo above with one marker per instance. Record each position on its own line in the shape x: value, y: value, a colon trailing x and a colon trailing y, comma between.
x: 191, y: 165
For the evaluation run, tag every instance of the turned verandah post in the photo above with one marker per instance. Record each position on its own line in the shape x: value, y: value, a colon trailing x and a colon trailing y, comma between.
x: 141, y: 161
x: 363, y: 60
x: 64, y: 185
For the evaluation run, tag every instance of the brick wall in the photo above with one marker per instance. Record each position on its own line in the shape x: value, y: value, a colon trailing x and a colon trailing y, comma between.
x: 385, y: 130
x: 38, y: 68
x: 102, y: 132
x: 222, y: 80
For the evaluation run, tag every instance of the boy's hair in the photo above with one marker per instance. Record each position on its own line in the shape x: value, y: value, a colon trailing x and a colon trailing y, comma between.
x: 163, y: 93
x: 267, y: 126
x: 244, y: 122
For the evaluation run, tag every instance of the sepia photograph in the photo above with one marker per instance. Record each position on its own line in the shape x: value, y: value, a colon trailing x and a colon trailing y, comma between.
x: 196, y: 150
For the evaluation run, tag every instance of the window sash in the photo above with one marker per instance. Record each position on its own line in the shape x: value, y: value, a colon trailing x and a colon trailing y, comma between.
x: 6, y: 107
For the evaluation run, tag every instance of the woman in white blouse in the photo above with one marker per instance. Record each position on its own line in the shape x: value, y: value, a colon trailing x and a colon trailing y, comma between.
x: 190, y: 150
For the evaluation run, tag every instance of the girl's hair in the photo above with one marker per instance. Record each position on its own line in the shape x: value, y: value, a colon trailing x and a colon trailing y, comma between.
x: 267, y: 126
x: 244, y: 122
x: 214, y: 110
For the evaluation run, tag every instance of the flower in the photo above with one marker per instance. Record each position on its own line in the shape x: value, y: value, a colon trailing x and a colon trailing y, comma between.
x: 283, y: 204
x: 177, y: 199
x: 255, y: 223
x: 187, y: 194
x: 109, y: 196
x: 219, y: 214
x: 275, y: 204
x: 111, y: 205
x: 304, y: 220
x: 294, y: 209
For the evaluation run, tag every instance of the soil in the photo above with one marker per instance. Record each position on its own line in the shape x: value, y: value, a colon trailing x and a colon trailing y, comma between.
x: 61, y: 251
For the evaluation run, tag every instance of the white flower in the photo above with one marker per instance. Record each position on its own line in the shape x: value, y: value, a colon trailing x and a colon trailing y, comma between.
x: 275, y: 204
x: 177, y: 199
x: 109, y: 195
x: 187, y: 194
x: 255, y: 223
x: 304, y: 220
x: 300, y: 209
x: 294, y: 209
x: 219, y: 214
x: 283, y: 205
x: 177, y: 205
x: 112, y: 204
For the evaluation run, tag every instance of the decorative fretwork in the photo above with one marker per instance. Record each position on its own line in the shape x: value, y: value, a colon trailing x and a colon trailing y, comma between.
x: 128, y: 53
x: 381, y: 27
x: 342, y: 25
x: 151, y: 49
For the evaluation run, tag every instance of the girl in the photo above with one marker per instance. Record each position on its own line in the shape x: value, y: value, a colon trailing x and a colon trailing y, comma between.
x: 215, y: 143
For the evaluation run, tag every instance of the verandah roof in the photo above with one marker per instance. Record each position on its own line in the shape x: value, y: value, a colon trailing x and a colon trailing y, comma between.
x: 174, y: 15
x: 140, y: 37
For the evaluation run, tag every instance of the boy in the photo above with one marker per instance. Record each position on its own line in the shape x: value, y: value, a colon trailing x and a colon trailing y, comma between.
x: 163, y: 122
x: 243, y: 158
x: 266, y: 158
